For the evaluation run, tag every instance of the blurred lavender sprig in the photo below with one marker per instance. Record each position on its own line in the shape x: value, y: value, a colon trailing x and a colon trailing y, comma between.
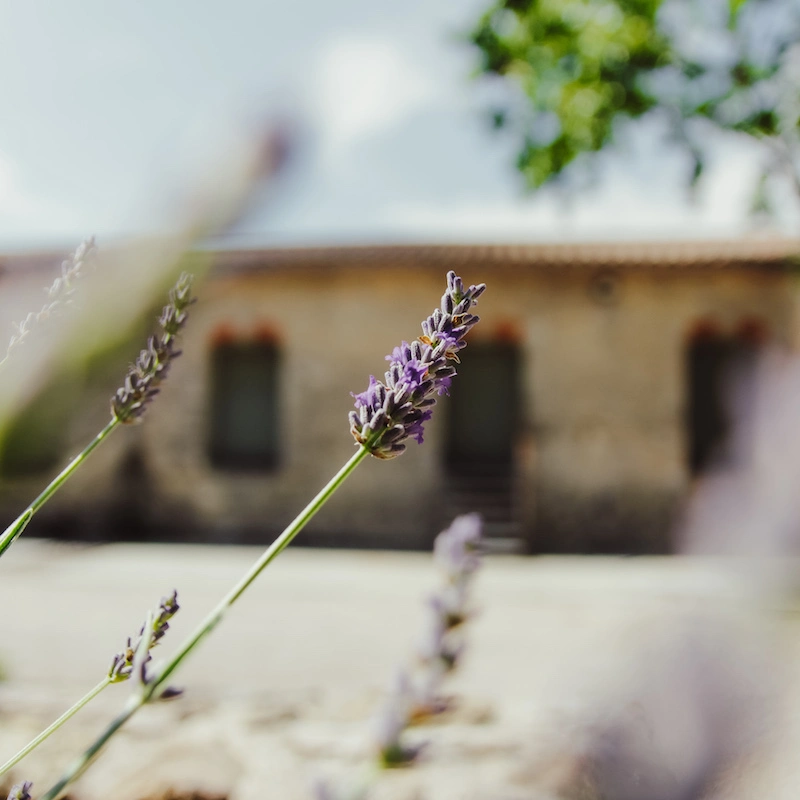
x: 151, y: 367
x: 395, y: 716
x: 389, y: 413
x: 21, y: 791
x: 457, y: 553
x: 416, y: 696
x: 59, y: 294
x: 129, y: 402
x: 457, y: 550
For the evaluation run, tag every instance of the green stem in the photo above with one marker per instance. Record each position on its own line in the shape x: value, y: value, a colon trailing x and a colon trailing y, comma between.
x: 209, y: 623
x: 82, y: 762
x: 13, y: 531
x: 275, y: 549
x: 34, y: 743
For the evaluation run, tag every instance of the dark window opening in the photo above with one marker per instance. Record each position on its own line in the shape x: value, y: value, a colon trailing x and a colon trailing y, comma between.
x: 245, y: 406
x: 717, y: 368
x: 484, y: 412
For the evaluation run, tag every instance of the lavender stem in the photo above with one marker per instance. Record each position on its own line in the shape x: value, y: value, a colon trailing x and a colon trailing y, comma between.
x: 275, y: 549
x: 83, y: 761
x: 13, y: 531
x: 54, y: 726
x: 157, y: 682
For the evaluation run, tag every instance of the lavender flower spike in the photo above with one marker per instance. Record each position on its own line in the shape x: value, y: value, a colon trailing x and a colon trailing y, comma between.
x: 389, y: 413
x: 141, y: 383
x: 457, y: 550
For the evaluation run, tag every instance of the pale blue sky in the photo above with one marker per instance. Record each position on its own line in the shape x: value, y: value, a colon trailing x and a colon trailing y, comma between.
x: 104, y: 104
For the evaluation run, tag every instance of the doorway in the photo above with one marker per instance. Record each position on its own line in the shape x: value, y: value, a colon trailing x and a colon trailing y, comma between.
x: 482, y: 429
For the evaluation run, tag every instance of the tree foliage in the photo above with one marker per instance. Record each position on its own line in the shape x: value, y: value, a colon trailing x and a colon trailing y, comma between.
x: 581, y: 66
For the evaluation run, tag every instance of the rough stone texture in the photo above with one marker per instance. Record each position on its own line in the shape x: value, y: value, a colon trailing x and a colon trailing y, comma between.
x: 583, y: 678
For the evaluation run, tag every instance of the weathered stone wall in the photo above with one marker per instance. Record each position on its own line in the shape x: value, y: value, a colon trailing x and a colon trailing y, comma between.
x: 607, y: 397
x: 601, y: 452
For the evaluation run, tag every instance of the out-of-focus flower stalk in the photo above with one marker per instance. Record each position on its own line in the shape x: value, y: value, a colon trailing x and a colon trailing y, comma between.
x: 130, y: 400
x: 417, y: 697
x: 59, y: 295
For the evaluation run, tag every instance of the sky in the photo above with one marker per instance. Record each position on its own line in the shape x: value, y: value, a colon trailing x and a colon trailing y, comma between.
x: 107, y: 107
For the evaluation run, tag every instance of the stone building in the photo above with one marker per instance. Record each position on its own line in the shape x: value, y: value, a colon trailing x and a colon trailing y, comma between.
x: 591, y: 396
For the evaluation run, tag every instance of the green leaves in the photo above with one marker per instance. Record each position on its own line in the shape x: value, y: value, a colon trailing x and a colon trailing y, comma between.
x: 578, y: 64
x: 576, y: 68
x: 734, y: 6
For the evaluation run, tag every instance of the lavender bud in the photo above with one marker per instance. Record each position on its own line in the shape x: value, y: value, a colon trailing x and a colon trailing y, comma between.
x: 21, y: 791
x: 457, y: 549
x: 393, y: 719
x: 140, y: 385
x: 438, y: 645
x: 418, y: 372
x: 122, y: 664
x: 170, y: 693
x: 450, y: 605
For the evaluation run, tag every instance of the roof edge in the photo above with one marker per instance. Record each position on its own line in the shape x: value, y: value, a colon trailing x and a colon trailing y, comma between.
x: 751, y: 252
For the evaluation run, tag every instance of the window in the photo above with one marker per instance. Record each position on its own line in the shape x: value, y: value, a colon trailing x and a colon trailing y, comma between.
x: 244, y: 406
x: 484, y: 409
x: 716, y: 366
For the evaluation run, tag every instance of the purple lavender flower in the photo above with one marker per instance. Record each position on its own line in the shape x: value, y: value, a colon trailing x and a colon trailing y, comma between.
x: 389, y: 413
